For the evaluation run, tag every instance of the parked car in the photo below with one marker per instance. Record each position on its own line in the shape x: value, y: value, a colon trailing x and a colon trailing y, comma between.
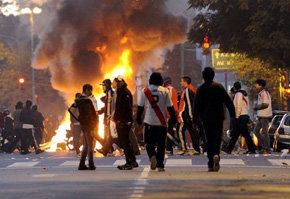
x: 282, y: 134
x: 273, y: 126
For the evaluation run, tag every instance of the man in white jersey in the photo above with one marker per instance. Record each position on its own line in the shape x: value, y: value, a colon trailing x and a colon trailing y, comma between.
x: 241, y: 121
x: 264, y: 114
x: 155, y: 98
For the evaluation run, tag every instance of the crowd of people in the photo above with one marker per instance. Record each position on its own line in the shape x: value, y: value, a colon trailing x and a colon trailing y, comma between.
x: 191, y: 121
x: 22, y: 129
x: 167, y: 117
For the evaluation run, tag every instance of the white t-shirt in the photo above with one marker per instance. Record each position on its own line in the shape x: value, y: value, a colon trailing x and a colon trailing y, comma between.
x: 162, y: 97
x: 241, y: 104
x: 265, y: 97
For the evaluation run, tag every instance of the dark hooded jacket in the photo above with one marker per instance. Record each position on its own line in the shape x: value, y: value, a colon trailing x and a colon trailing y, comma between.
x: 87, y: 113
x: 124, y: 104
x: 208, y: 104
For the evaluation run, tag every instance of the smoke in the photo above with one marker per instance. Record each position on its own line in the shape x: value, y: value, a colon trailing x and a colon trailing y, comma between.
x: 83, y: 40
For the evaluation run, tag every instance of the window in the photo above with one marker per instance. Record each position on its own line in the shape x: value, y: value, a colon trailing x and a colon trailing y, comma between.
x: 287, y: 121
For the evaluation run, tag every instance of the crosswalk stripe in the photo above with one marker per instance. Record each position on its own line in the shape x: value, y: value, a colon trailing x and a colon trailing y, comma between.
x: 279, y: 162
x: 70, y: 163
x: 22, y: 164
x: 178, y: 162
x: 232, y: 162
x: 123, y: 161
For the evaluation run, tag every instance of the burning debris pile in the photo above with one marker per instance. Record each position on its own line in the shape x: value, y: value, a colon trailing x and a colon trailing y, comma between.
x: 90, y: 40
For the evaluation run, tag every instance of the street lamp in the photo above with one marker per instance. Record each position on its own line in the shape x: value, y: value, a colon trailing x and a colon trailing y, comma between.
x: 21, y: 82
x: 32, y: 12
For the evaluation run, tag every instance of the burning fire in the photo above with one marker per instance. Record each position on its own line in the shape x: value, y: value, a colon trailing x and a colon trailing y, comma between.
x: 122, y: 68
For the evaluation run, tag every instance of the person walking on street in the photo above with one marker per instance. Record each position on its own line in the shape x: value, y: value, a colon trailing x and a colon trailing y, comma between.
x: 107, y: 110
x: 155, y: 99
x: 242, y: 119
x: 170, y: 128
x: 17, y: 126
x: 123, y: 118
x: 209, y: 108
x: 75, y: 125
x: 264, y: 114
x: 28, y: 133
x: 186, y: 117
x: 88, y: 120
x: 38, y: 123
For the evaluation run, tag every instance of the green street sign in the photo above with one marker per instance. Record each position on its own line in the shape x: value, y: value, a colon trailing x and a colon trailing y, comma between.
x: 221, y: 61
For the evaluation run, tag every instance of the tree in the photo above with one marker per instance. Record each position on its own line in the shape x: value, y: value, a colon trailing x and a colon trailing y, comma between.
x: 258, y: 28
x: 251, y: 69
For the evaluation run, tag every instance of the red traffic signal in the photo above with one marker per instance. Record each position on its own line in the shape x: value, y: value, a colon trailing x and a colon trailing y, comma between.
x: 21, y: 81
x: 206, y: 46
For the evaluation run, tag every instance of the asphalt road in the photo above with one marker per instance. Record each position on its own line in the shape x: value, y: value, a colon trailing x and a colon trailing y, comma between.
x: 55, y: 175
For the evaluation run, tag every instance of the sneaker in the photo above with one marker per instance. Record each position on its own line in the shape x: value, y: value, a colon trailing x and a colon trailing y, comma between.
x: 169, y: 152
x: 39, y: 151
x: 160, y: 169
x: 210, y: 169
x: 83, y: 167
x: 92, y: 167
x: 250, y: 152
x: 194, y: 152
x: 125, y: 167
x: 216, y: 163
x: 135, y: 165
x: 182, y: 152
x: 153, y: 162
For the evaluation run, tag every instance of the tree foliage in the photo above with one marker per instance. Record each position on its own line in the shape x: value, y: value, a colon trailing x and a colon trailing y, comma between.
x: 258, y: 28
x: 251, y: 69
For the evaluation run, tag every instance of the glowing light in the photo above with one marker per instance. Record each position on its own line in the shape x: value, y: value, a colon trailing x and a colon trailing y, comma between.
x: 21, y: 81
x: 37, y: 10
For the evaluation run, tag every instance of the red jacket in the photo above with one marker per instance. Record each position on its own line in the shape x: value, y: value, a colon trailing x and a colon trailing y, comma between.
x: 186, y: 105
x: 174, y: 99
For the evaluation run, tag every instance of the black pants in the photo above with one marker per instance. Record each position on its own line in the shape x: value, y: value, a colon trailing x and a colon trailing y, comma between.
x: 169, y: 142
x: 123, y: 131
x: 155, y: 136
x: 88, y: 146
x: 27, y: 138
x: 241, y: 128
x: 14, y: 143
x: 193, y: 134
x: 38, y: 134
x: 213, y: 132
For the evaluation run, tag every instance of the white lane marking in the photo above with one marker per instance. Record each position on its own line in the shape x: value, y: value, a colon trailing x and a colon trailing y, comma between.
x: 279, y: 162
x: 121, y: 162
x: 178, y: 162
x: 138, y: 191
x: 44, y: 176
x: 70, y: 163
x: 22, y: 164
x: 232, y: 162
x: 136, y: 196
x: 142, y: 180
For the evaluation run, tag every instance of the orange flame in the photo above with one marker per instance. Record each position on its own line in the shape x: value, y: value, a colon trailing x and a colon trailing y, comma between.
x: 122, y: 68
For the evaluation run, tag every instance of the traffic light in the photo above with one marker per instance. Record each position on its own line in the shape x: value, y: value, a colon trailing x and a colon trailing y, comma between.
x: 206, y: 46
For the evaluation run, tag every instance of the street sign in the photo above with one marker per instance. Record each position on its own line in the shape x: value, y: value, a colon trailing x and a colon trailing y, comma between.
x: 221, y: 61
